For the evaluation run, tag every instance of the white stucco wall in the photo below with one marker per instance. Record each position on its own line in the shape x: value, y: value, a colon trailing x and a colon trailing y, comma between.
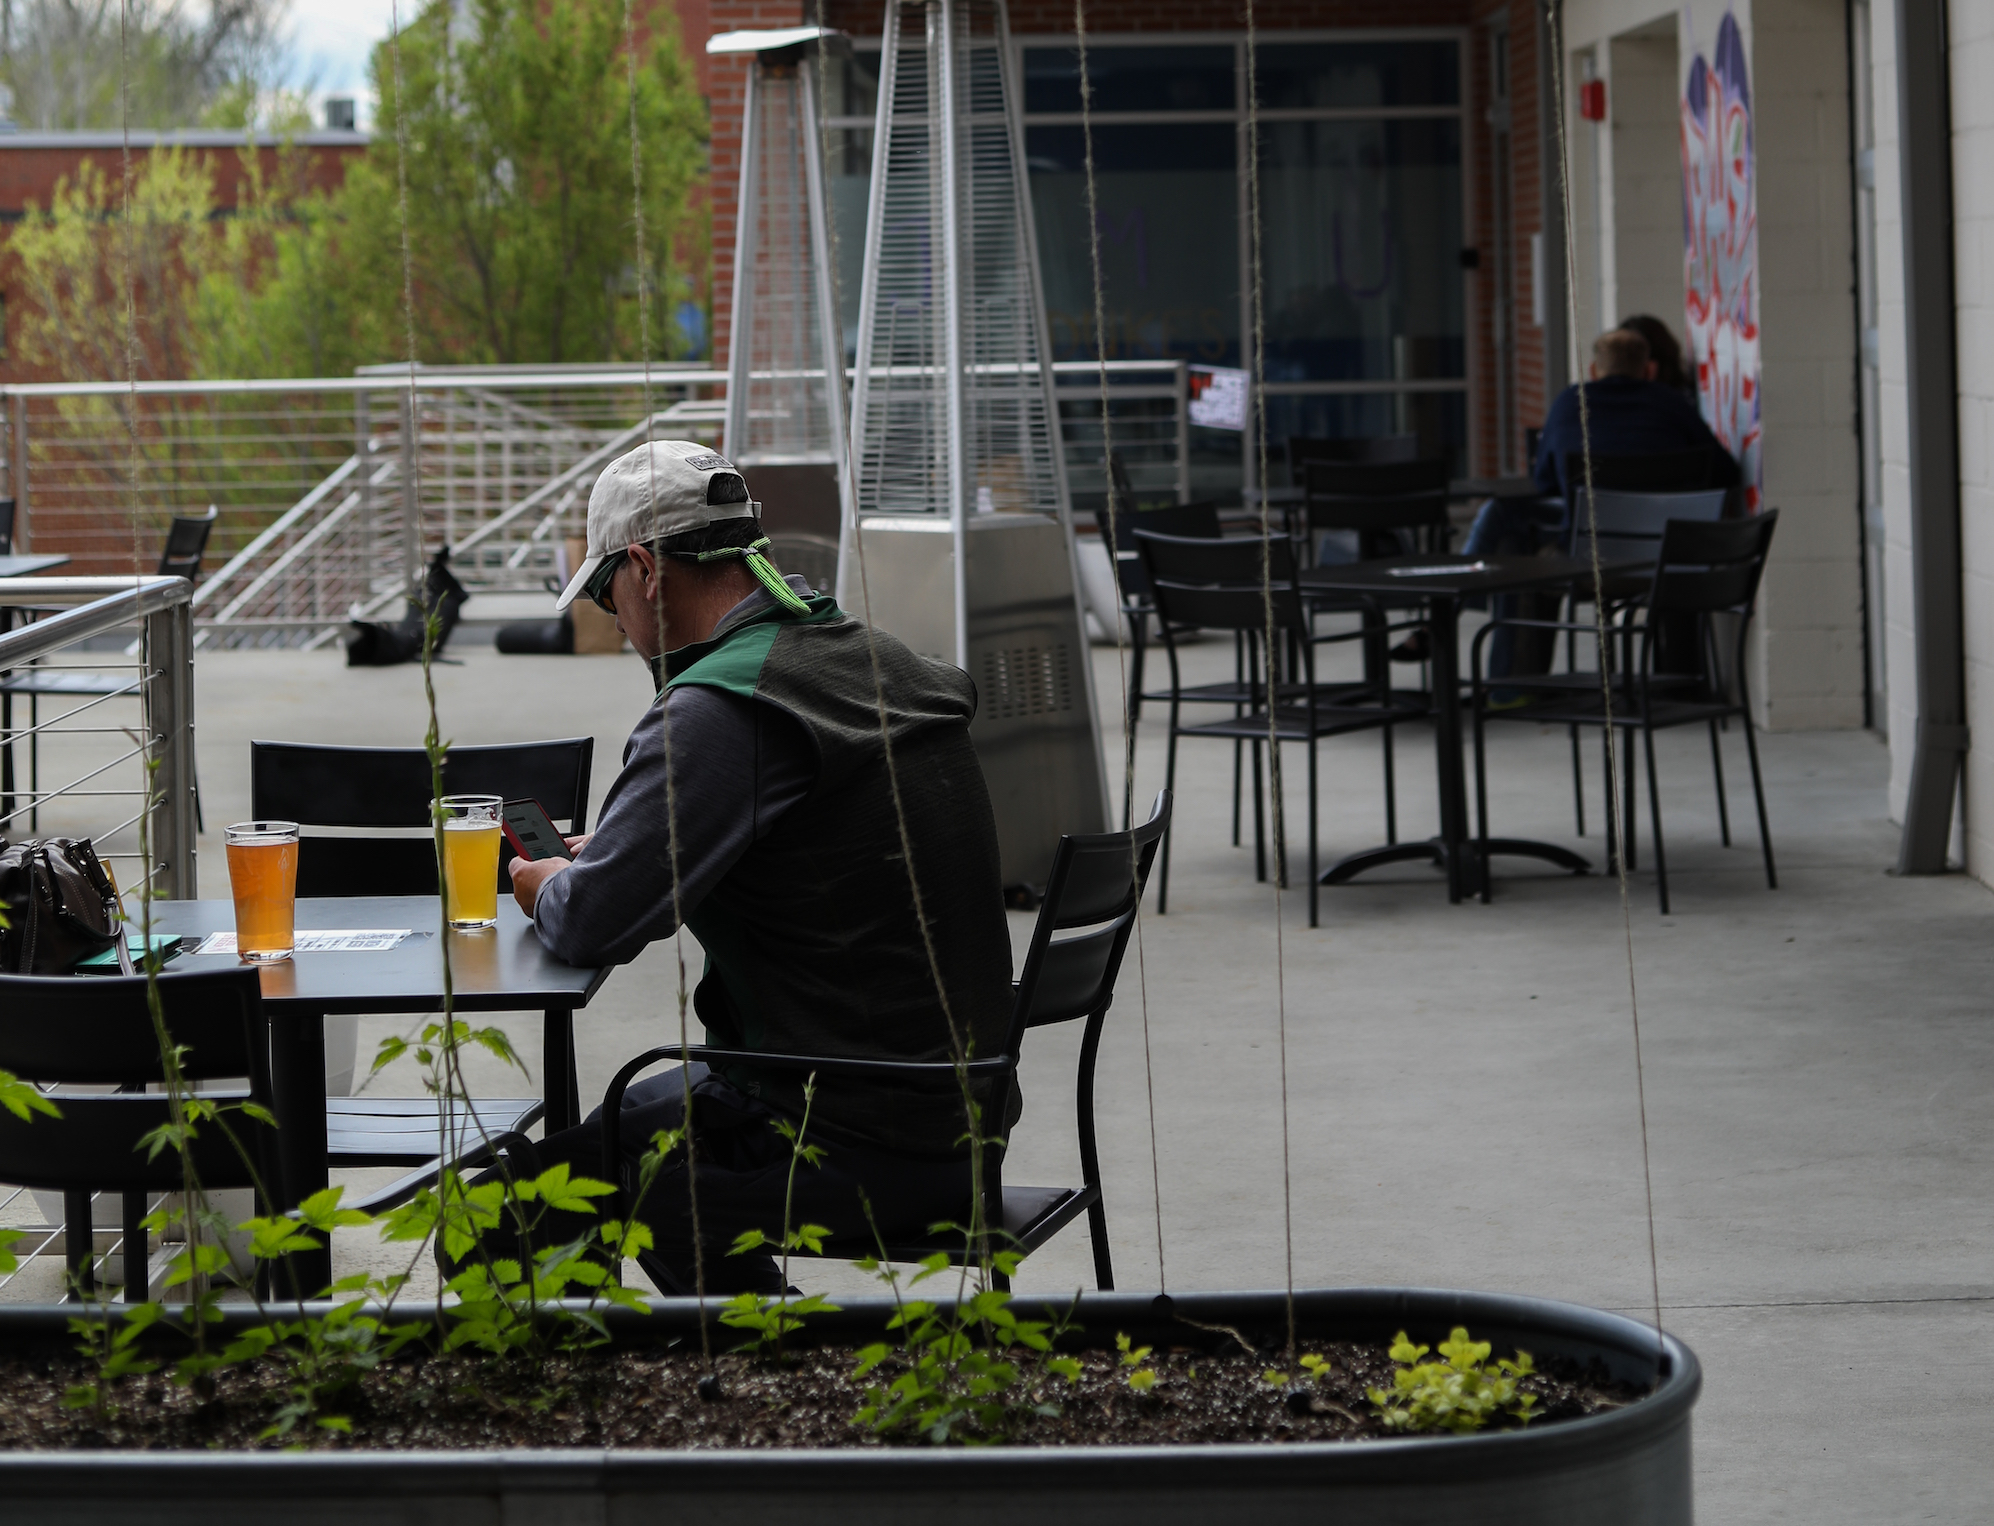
x: 1808, y: 655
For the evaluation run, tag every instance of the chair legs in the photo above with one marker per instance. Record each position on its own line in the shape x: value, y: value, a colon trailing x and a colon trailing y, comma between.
x: 1717, y: 773
x: 137, y: 1250
x: 1578, y: 785
x: 1482, y: 796
x: 1655, y: 816
x: 78, y: 1260
x: 1259, y: 820
x: 1169, y: 783
x: 1391, y: 790
x: 1759, y: 797
x: 1314, y: 869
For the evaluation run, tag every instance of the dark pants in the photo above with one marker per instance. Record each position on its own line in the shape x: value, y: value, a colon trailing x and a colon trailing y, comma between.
x: 742, y: 1169
x: 1517, y: 527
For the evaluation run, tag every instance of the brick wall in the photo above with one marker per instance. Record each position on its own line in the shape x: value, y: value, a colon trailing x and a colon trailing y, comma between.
x: 31, y: 166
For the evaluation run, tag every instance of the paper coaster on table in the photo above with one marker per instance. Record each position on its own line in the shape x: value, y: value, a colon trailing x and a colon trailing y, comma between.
x: 319, y: 940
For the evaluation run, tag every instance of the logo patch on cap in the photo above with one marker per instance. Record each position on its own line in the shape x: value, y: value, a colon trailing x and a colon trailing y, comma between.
x: 709, y: 463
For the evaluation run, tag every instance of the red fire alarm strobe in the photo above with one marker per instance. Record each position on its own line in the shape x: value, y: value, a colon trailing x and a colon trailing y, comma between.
x: 1592, y: 100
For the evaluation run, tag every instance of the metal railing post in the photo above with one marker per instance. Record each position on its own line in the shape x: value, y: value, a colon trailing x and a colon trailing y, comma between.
x: 18, y: 407
x: 411, y: 501
x: 1181, y: 376
x: 169, y: 654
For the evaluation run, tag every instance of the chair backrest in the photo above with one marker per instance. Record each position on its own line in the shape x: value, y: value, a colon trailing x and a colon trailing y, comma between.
x: 1630, y: 525
x: 1377, y: 499
x: 1196, y: 521
x: 321, y: 786
x: 1302, y: 452
x: 1220, y: 585
x: 1705, y: 567
x: 1673, y: 471
x: 1096, y: 883
x: 186, y: 543
x: 6, y: 527
x: 78, y: 1030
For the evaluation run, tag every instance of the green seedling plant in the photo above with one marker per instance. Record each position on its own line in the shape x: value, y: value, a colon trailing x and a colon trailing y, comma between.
x: 771, y: 1319
x: 1461, y: 1393
x: 970, y: 1369
x: 1140, y: 1379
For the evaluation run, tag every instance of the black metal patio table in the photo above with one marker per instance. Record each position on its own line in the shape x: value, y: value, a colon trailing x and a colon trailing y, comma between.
x: 1443, y: 584
x: 501, y: 969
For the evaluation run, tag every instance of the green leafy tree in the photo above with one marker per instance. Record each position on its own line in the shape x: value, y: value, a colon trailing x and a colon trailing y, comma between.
x: 517, y: 122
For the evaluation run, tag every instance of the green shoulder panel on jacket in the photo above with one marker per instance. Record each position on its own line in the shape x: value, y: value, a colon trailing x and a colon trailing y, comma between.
x: 734, y: 661
x: 735, y: 664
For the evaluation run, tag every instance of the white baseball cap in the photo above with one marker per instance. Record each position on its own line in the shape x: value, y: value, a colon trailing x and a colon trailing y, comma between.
x: 664, y: 488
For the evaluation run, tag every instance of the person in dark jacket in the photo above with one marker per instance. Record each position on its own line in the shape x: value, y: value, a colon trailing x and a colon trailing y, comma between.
x: 787, y: 865
x: 1627, y: 413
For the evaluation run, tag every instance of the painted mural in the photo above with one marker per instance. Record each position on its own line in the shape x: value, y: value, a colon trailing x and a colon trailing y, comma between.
x: 1721, y: 247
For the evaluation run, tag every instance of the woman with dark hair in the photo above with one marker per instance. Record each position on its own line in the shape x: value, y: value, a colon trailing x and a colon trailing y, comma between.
x: 1664, y: 352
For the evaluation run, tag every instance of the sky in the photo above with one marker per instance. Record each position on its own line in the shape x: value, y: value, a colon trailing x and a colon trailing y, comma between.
x: 330, y: 41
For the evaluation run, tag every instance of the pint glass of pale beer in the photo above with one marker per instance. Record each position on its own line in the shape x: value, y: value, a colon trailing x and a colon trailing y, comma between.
x: 470, y: 860
x: 263, y: 874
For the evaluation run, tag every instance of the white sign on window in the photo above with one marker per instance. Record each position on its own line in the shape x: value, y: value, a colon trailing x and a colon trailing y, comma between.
x: 1219, y: 397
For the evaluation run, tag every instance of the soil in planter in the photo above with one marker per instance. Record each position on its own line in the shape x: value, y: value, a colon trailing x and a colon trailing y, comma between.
x: 648, y: 1398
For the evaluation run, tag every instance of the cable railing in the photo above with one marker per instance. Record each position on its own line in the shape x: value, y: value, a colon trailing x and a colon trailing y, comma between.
x: 83, y: 710
x: 333, y: 492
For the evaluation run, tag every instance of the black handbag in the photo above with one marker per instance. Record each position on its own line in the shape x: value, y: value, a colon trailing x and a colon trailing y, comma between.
x: 60, y: 903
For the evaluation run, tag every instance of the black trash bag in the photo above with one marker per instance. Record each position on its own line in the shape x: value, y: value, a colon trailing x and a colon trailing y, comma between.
x: 378, y: 644
x: 532, y: 636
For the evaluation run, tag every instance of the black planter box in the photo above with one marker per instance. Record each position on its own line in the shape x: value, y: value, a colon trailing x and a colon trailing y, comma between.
x: 1629, y: 1467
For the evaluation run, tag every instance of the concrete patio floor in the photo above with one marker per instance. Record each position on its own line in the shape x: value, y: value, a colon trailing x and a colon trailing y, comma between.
x: 1461, y: 1084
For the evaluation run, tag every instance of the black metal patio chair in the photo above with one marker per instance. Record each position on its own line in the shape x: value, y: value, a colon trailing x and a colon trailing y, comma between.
x: 1092, y: 895
x: 96, y: 1031
x: 1705, y: 571
x: 1304, y: 451
x: 1225, y: 585
x: 1624, y: 527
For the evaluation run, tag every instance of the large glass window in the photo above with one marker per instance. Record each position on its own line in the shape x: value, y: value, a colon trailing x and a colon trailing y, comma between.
x: 1362, y: 222
x: 1196, y: 78
x: 1360, y: 250
x: 1168, y: 292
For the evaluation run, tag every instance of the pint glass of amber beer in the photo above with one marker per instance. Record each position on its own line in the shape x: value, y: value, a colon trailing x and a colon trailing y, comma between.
x: 263, y: 873
x: 470, y: 860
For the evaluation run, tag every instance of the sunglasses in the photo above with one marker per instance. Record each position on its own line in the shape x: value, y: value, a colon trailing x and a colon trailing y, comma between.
x: 596, y: 589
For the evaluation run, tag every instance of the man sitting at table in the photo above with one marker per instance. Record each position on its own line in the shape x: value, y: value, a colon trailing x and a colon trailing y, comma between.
x: 790, y: 870
x: 1627, y: 413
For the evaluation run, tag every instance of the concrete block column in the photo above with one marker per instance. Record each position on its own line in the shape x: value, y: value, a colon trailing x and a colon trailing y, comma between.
x: 1806, y: 659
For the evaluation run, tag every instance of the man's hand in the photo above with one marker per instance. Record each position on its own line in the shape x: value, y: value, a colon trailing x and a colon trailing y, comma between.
x: 528, y: 875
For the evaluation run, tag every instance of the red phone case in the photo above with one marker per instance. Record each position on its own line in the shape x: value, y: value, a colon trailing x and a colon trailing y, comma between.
x: 519, y: 847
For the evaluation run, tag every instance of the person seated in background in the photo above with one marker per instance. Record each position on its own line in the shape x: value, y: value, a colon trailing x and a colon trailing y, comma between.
x: 1666, y: 353
x: 1627, y: 413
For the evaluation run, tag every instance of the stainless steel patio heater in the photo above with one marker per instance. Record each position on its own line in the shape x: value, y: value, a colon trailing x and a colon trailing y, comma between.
x: 960, y: 485
x: 786, y: 423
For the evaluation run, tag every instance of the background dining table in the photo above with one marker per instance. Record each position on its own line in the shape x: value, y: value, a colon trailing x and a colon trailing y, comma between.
x: 1443, y: 584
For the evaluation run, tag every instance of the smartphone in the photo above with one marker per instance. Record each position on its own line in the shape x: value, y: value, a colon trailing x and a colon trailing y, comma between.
x: 531, y: 832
